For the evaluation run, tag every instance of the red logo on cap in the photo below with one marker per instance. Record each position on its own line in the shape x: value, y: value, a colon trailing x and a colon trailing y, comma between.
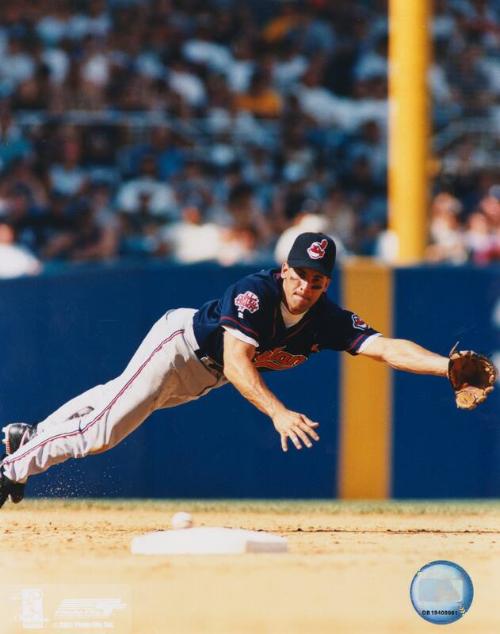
x: 317, y: 250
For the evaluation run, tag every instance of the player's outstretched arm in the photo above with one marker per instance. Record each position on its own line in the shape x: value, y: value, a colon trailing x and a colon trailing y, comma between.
x: 402, y: 354
x: 472, y: 376
x: 240, y: 371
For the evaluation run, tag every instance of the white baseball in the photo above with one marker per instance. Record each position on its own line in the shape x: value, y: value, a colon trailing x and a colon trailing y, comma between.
x: 181, y: 520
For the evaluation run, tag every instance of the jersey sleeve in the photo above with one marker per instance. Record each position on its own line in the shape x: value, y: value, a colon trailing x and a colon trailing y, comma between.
x: 345, y: 330
x: 234, y: 332
x: 245, y: 308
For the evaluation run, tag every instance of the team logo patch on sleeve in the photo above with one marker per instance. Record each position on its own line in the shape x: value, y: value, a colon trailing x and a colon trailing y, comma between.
x: 246, y: 301
x: 358, y: 323
x: 317, y: 250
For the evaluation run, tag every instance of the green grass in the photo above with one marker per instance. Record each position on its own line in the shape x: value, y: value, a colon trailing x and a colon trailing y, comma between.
x: 310, y: 507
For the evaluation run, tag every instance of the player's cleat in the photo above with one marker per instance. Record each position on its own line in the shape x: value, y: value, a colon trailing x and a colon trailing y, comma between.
x: 8, y: 487
x: 16, y: 491
x: 16, y: 435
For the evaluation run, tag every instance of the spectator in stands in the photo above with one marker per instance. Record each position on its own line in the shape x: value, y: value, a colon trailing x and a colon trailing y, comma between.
x: 238, y: 245
x: 97, y: 232
x: 186, y: 83
x: 202, y: 49
x: 68, y: 178
x: 90, y: 235
x: 340, y: 217
x: 470, y: 82
x: 490, y: 206
x: 15, y: 260
x: 240, y: 69
x: 21, y: 175
x: 140, y: 231
x: 147, y: 192
x: 243, y: 217
x: 261, y: 99
x: 13, y: 144
x: 193, y: 186
x: 280, y: 26
x: 481, y: 240
x: 95, y: 71
x: 21, y: 212
x: 16, y: 64
x: 170, y: 152
x: 447, y: 236
x: 191, y: 240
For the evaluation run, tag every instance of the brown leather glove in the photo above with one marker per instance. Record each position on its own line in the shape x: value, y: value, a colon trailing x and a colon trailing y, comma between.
x: 472, y: 377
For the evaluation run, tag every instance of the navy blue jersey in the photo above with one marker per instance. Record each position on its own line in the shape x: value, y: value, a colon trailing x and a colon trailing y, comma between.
x: 252, y: 306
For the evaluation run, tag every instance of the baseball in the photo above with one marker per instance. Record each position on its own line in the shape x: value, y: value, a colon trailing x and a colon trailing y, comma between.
x: 182, y: 520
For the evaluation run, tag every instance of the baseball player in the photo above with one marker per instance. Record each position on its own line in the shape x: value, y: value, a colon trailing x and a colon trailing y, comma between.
x: 271, y: 320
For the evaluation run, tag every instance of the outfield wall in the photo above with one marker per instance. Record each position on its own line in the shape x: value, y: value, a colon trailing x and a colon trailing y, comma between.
x: 63, y: 333
x: 438, y: 450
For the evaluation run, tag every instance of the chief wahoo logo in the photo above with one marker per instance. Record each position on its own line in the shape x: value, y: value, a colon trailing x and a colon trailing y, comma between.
x: 317, y: 250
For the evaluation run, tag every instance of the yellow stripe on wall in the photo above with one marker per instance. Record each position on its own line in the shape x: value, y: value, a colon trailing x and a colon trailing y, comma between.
x: 366, y: 401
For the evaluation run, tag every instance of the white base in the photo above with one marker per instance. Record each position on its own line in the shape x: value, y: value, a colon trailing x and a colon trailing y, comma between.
x: 207, y: 541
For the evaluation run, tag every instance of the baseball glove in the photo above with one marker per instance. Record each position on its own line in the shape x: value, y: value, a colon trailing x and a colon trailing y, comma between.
x: 472, y: 377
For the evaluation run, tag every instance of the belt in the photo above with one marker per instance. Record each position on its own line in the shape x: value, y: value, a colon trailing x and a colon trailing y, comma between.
x: 208, y: 362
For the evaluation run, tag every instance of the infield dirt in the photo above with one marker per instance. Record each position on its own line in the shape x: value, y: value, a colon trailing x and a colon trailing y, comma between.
x: 66, y: 565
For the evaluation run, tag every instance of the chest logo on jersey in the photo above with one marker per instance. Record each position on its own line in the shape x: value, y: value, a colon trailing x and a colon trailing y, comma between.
x: 278, y: 359
x: 317, y: 250
x: 246, y: 301
x: 358, y: 323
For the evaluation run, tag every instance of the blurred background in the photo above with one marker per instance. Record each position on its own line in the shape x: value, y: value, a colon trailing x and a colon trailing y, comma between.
x: 215, y: 130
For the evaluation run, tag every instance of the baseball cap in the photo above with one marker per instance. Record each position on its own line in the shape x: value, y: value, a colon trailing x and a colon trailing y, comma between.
x: 313, y: 251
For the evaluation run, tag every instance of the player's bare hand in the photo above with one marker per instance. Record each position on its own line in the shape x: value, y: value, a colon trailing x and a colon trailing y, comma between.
x: 294, y: 426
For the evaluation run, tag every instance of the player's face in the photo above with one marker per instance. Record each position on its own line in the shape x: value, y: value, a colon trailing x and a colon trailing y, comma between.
x: 302, y: 288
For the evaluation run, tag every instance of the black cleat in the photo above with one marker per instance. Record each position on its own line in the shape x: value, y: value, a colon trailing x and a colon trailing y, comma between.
x: 16, y: 492
x: 8, y: 487
x: 16, y: 435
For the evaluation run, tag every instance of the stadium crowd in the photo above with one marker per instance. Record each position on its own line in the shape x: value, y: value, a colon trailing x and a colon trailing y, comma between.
x: 218, y: 129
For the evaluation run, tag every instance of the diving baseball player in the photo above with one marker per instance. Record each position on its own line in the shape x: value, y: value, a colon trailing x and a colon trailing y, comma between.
x: 271, y: 320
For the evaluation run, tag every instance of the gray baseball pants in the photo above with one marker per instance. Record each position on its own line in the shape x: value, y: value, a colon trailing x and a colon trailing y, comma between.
x: 163, y: 372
